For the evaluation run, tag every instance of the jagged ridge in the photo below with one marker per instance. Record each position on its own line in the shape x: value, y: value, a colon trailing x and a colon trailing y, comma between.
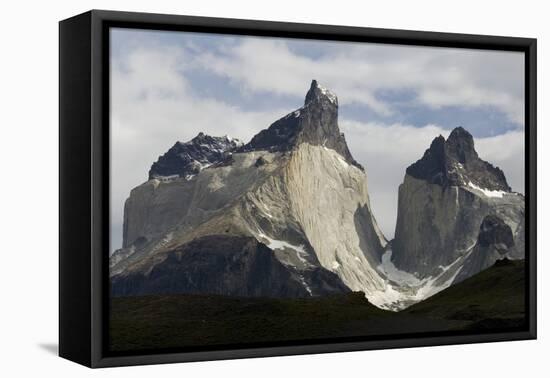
x: 455, y: 162
x: 315, y: 123
x: 185, y: 159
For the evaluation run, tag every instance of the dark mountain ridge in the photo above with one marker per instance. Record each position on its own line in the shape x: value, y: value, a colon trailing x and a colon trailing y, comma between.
x: 315, y: 123
x: 184, y: 159
x: 455, y: 162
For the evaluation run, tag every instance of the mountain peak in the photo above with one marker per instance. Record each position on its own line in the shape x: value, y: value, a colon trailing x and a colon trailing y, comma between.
x: 460, y: 145
x: 319, y: 93
x: 315, y: 123
x: 455, y: 162
x: 460, y: 132
x: 185, y: 159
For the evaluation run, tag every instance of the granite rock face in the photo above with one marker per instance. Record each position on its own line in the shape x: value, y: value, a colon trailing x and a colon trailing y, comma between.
x: 444, y: 199
x: 294, y: 190
x: 495, y: 242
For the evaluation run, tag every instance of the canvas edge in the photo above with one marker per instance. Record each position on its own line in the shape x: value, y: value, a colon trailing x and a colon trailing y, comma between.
x: 75, y: 275
x: 99, y: 140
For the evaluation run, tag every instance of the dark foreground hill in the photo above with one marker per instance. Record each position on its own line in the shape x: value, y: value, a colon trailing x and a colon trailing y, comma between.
x: 491, y: 300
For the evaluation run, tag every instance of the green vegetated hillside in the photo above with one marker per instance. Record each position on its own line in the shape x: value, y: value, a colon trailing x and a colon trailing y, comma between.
x: 493, y: 299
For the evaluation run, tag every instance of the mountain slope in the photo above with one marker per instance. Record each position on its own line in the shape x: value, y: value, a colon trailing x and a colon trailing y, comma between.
x: 225, y: 265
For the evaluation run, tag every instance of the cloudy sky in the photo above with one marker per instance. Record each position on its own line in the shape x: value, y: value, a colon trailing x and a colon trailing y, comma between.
x: 169, y: 86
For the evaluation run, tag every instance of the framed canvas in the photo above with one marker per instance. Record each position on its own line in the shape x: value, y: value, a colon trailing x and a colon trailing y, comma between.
x: 235, y: 188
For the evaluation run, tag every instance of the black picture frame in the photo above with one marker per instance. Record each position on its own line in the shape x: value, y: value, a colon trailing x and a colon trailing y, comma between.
x: 84, y: 180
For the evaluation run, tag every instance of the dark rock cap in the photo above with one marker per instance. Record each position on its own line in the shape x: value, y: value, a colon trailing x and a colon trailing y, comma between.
x: 315, y: 123
x: 455, y: 162
x: 460, y: 145
x: 318, y: 93
x: 189, y: 158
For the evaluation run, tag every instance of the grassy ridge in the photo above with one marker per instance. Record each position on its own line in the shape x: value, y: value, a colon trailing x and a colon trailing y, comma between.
x: 496, y: 294
x: 492, y: 299
x: 182, y: 320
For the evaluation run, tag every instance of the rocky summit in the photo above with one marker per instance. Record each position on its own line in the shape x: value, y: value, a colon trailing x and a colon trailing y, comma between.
x: 315, y: 123
x: 187, y: 159
x: 288, y: 214
x: 455, y: 162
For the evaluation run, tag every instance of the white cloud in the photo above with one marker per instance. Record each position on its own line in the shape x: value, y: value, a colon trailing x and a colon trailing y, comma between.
x: 438, y: 76
x: 506, y: 151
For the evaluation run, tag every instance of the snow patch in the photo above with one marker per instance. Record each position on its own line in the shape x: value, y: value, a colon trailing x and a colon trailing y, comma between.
x: 342, y: 161
x: 281, y: 244
x: 275, y: 244
x: 403, y: 289
x: 330, y: 95
x: 394, y: 274
x: 487, y: 192
x: 303, y: 282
